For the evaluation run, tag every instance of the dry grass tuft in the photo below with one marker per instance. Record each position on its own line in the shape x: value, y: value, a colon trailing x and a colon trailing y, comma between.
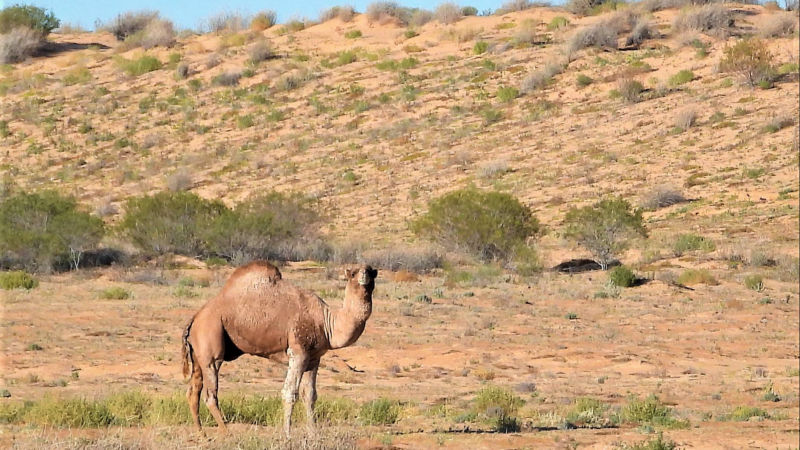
x: 778, y: 25
x: 714, y: 19
x: 18, y: 44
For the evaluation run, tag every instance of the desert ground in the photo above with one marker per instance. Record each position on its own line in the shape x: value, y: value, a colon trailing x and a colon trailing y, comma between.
x: 716, y: 356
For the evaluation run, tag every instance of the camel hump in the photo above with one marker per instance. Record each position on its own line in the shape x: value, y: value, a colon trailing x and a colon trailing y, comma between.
x: 254, y: 275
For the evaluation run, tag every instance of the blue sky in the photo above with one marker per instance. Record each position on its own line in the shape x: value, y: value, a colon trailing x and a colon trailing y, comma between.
x: 190, y: 13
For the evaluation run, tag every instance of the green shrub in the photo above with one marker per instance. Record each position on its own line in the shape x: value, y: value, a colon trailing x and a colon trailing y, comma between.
x: 480, y: 47
x: 140, y: 66
x: 498, y: 406
x: 744, y: 413
x: 605, y: 228
x: 630, y: 90
x: 751, y: 59
x: 469, y: 11
x: 682, y: 77
x: 27, y: 16
x: 588, y: 412
x: 689, y: 242
x: 621, y: 276
x: 353, y: 34
x: 263, y: 20
x: 170, y: 222
x: 557, y: 23
x: 583, y: 80
x: 490, y: 115
x: 115, y: 293
x: 489, y: 225
x: 697, y: 276
x: 346, y: 57
x: 40, y: 231
x: 754, y: 282
x: 17, y: 280
x: 381, y: 411
x: 656, y: 443
x: 650, y: 411
x: 79, y: 75
x: 507, y: 93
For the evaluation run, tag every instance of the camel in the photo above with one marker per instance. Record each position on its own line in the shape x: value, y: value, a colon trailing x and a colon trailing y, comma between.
x: 259, y: 313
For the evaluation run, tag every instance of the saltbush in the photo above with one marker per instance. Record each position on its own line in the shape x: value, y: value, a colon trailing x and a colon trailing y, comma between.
x: 751, y: 59
x: 621, y: 276
x: 488, y: 225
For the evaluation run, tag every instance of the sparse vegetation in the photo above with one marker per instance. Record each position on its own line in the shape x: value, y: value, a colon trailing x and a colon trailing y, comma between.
x: 17, y: 280
x: 621, y: 276
x: 697, y: 276
x: 682, y: 77
x: 713, y: 19
x: 447, y: 13
x: 18, y: 44
x: 692, y: 242
x: 381, y: 411
x: 778, y: 25
x: 115, y: 293
x: 751, y: 59
x: 754, y: 282
x: 139, y: 66
x: 601, y: 35
x: 263, y: 20
x: 661, y: 197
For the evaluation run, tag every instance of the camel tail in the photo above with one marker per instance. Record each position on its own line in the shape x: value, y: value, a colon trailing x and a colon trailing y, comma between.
x: 186, y: 351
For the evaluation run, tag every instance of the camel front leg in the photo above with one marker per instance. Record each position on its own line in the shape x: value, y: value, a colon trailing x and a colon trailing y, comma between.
x: 297, y: 365
x: 308, y: 387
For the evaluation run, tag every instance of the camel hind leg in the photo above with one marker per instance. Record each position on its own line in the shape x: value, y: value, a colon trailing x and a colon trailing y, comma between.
x: 211, y: 386
x: 193, y: 393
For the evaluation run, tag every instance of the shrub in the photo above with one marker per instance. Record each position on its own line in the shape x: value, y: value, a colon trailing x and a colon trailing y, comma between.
x: 557, y: 23
x: 28, y: 16
x: 744, y: 413
x: 263, y: 20
x: 130, y: 23
x: 650, y: 411
x: 751, y: 59
x: 601, y: 35
x: 17, y: 280
x: 480, y: 47
x: 621, y: 276
x: 754, y: 282
x: 641, y: 31
x: 170, y: 222
x: 412, y: 259
x: 344, y: 13
x: 692, y: 242
x: 713, y: 18
x: 588, y: 7
x: 507, y: 94
x: 467, y: 11
x: 157, y: 32
x: 227, y: 79
x: 78, y: 75
x: 588, y: 412
x: 583, y: 80
x: 41, y: 230
x: 18, y: 44
x: 263, y: 227
x: 353, y: 34
x: 115, y: 293
x: 685, y: 118
x: 498, y: 406
x: 382, y: 11
x: 259, y: 51
x: 226, y: 21
x: 630, y: 90
x: 420, y: 17
x: 489, y: 225
x: 657, y: 443
x: 778, y: 123
x: 682, y: 77
x: 381, y: 411
x: 447, y: 13
x: 604, y: 228
x: 778, y: 25
x: 540, y: 78
x: 697, y: 276
x: 514, y: 6
x: 182, y: 71
x: 140, y: 66
x: 661, y: 197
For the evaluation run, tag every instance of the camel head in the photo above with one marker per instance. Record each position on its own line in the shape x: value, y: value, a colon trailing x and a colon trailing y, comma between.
x: 361, y: 281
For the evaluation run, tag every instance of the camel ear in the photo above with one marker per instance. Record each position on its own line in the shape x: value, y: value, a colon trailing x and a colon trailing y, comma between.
x: 373, y: 273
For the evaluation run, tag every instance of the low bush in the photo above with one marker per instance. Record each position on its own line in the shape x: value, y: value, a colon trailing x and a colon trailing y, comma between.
x: 507, y: 94
x: 17, y: 280
x: 602, y: 35
x: 115, y: 293
x: 514, y: 6
x: 557, y: 23
x: 540, y: 78
x: 353, y: 34
x: 588, y: 412
x: 18, y: 44
x: 467, y: 11
x: 621, y: 276
x: 641, y: 31
x: 157, y: 33
x: 697, y: 276
x: 778, y: 25
x: 630, y: 90
x: 605, y: 228
x: 744, y: 413
x: 447, y: 13
x: 42, y: 231
x: 412, y: 259
x: 259, y: 51
x: 751, y: 59
x: 381, y: 411
x: 130, y: 23
x: 497, y: 406
x: 682, y: 77
x: 685, y: 118
x: 661, y: 197
x: 754, y: 282
x: 650, y: 411
x: 692, y: 242
x: 657, y: 443
x: 227, y: 79
x: 139, y: 66
x: 480, y: 47
x: 263, y: 20
x: 488, y: 225
x: 583, y: 80
x: 345, y: 13
x: 713, y: 18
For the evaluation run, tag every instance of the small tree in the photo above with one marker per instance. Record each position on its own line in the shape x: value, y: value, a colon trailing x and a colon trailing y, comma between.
x: 604, y: 228
x: 751, y: 59
x: 489, y: 225
x: 27, y: 16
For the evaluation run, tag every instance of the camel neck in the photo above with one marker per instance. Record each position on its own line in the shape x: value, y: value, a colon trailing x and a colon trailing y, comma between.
x: 343, y: 326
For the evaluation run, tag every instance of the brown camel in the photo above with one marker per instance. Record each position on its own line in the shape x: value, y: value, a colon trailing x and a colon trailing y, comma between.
x: 261, y: 314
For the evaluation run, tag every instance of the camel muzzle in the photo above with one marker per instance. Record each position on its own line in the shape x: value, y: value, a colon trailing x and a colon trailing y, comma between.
x: 363, y: 278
